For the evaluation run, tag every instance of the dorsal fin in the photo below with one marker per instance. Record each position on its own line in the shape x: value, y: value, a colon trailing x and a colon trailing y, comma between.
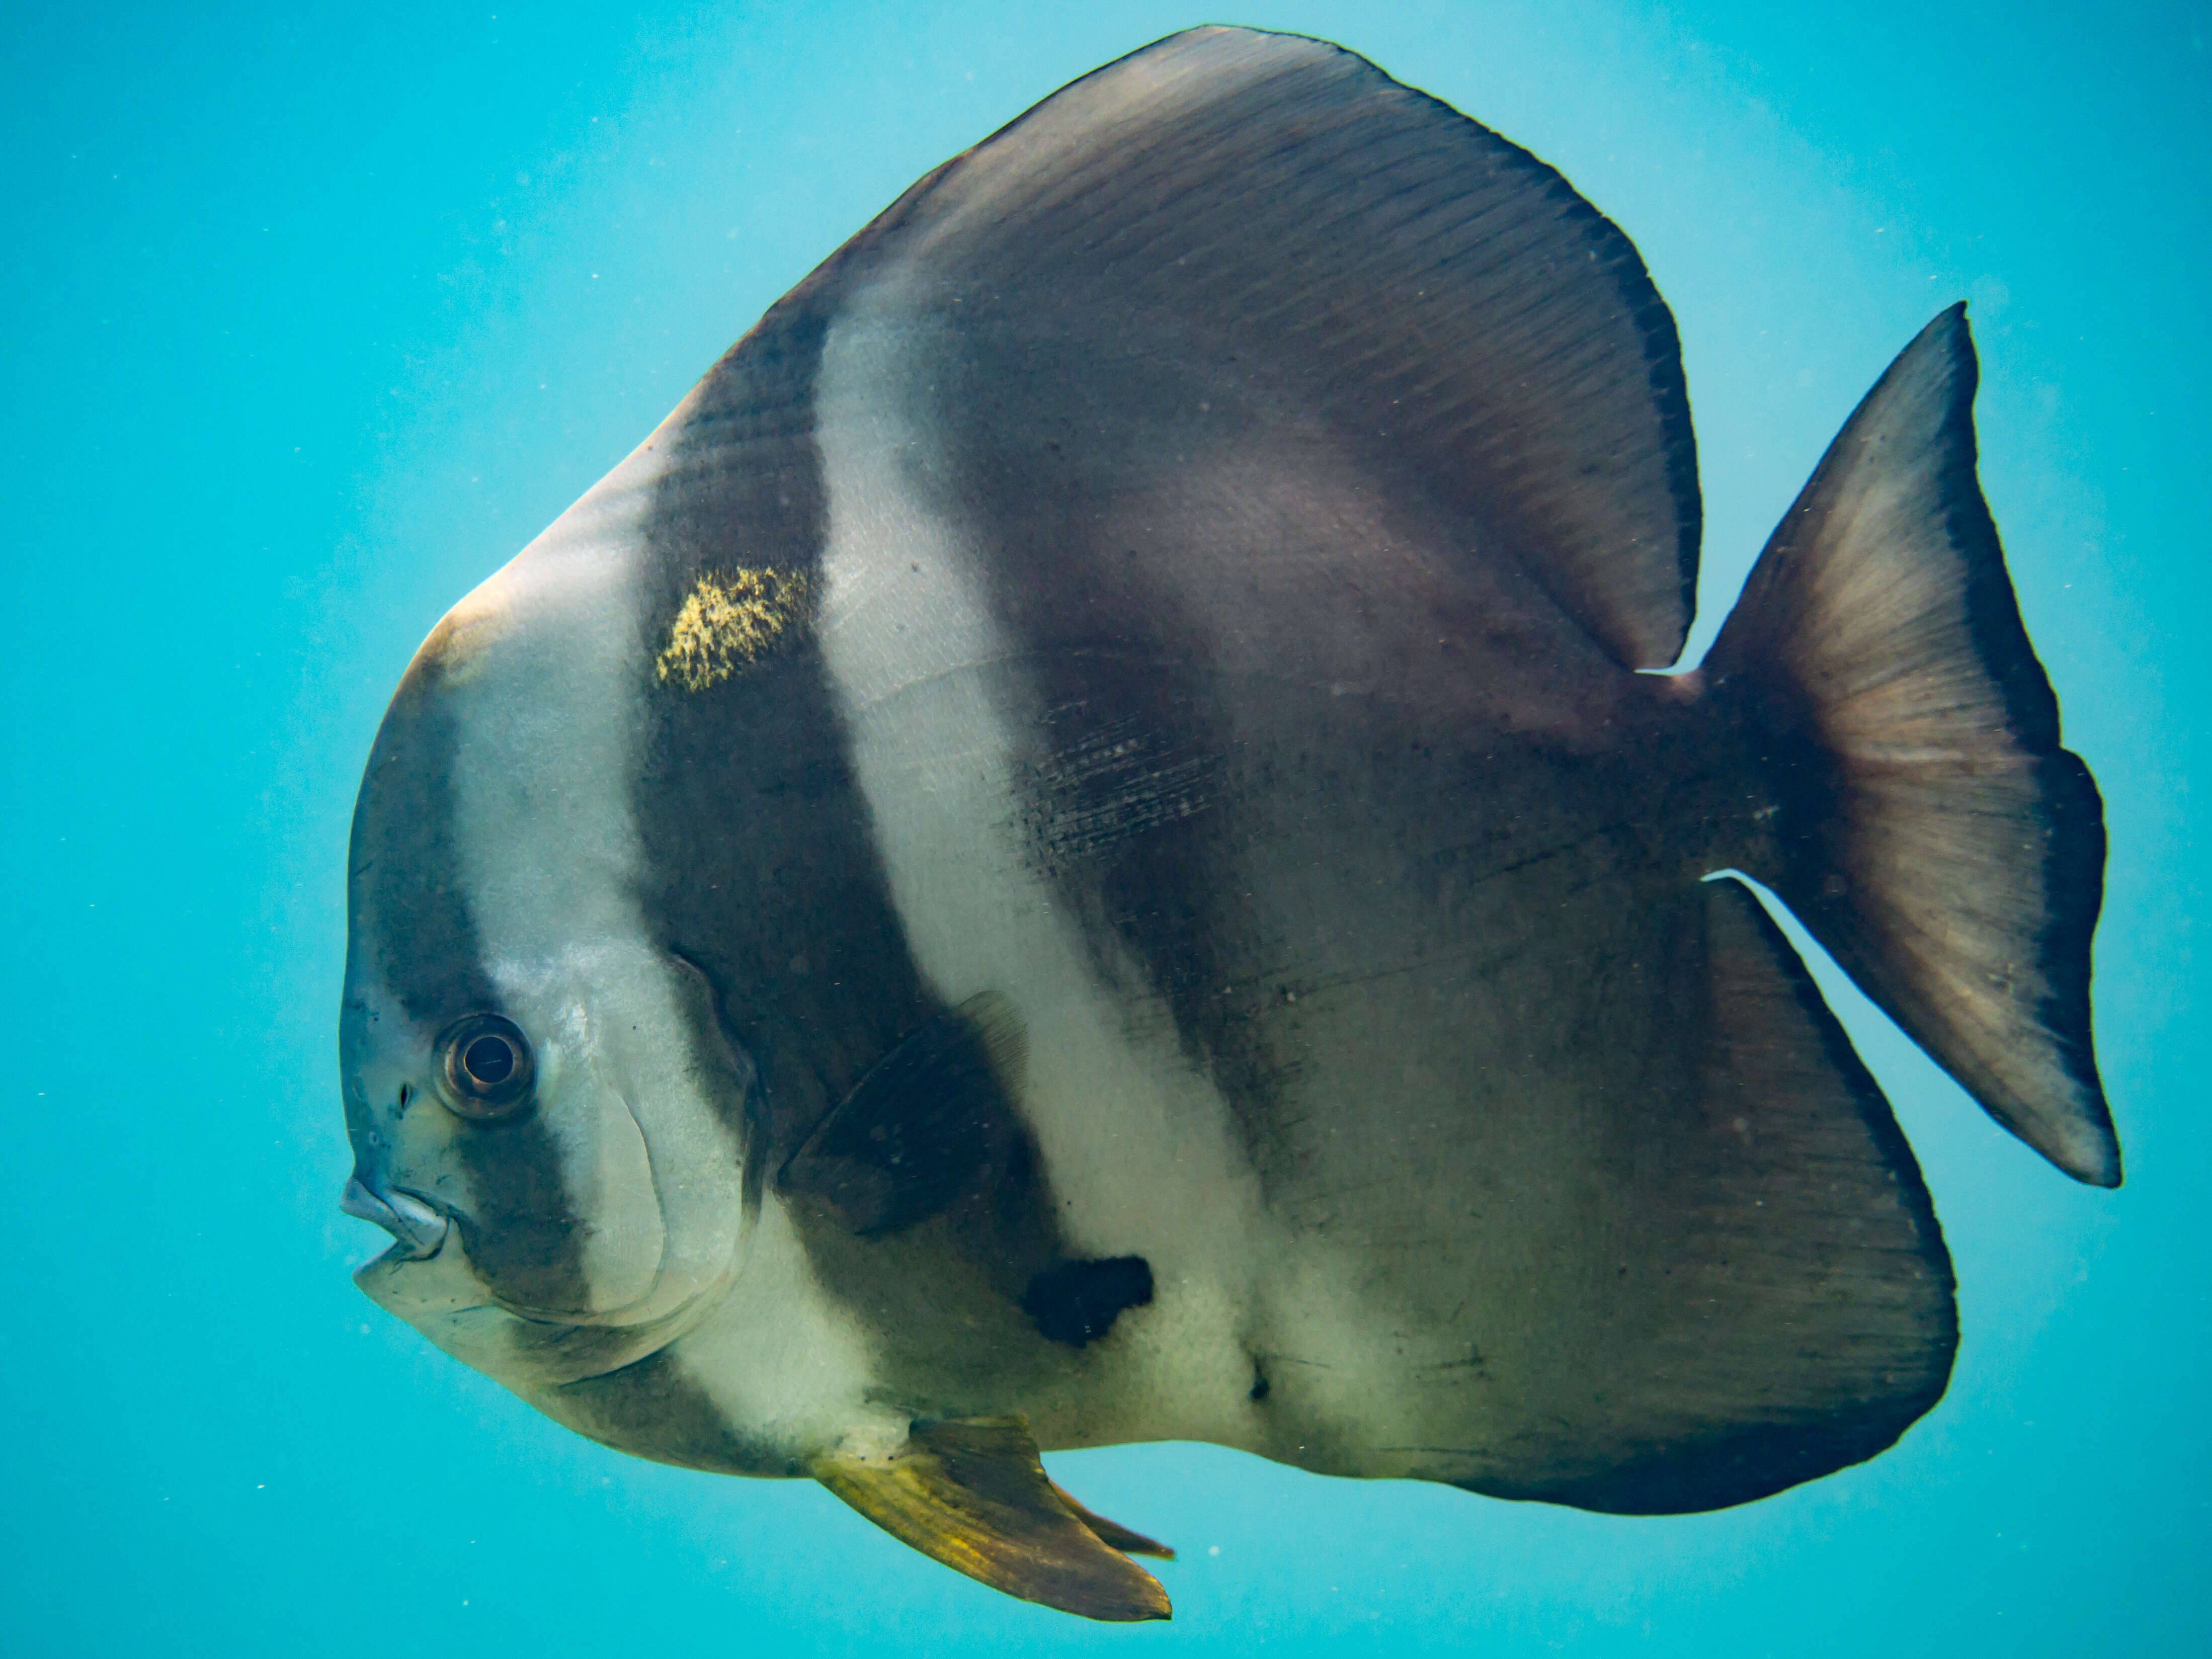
x: 1368, y: 260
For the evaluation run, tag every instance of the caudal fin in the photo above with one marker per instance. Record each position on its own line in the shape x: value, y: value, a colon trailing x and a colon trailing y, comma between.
x: 1922, y: 819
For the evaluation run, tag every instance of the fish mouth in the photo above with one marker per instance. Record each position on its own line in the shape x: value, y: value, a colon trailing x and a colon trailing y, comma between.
x: 419, y: 1226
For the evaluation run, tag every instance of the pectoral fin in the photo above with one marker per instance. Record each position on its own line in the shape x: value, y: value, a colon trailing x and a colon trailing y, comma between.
x: 974, y: 1496
x: 930, y: 1120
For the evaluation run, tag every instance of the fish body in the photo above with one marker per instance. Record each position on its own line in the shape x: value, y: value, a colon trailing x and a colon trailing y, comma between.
x: 1081, y: 847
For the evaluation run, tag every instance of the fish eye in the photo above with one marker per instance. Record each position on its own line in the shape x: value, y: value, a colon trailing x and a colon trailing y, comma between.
x: 487, y: 1068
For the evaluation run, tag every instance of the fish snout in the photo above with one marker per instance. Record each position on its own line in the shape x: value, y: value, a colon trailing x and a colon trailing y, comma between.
x: 419, y: 1227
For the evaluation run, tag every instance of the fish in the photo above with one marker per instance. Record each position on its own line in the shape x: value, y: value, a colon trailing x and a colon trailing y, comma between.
x: 1101, y: 838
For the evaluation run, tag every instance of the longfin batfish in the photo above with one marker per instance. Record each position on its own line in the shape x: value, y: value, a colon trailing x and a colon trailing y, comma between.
x: 1075, y: 850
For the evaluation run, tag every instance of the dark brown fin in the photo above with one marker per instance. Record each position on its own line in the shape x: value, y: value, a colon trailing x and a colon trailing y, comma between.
x: 1347, y: 249
x: 1113, y: 1532
x: 1805, y: 1315
x: 1924, y: 823
x: 917, y: 1129
x: 974, y: 1496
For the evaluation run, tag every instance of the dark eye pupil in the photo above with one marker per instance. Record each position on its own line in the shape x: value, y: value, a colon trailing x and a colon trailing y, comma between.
x: 489, y: 1060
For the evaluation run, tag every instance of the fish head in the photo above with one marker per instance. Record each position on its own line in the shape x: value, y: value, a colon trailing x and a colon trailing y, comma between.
x: 543, y: 1110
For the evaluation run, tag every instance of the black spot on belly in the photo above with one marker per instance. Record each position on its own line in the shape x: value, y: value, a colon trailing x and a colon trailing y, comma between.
x: 1260, y: 1387
x: 1077, y: 1301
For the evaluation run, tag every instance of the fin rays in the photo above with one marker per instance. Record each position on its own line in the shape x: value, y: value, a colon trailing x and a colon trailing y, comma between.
x: 1933, y: 834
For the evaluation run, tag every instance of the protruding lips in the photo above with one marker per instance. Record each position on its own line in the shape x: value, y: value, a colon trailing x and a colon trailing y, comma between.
x: 419, y: 1227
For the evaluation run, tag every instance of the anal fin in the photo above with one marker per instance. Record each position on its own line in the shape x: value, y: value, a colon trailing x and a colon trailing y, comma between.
x: 1802, y: 1318
x: 974, y: 1495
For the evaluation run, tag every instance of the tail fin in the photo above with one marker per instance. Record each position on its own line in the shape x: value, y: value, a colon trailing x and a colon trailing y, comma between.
x: 1925, y: 824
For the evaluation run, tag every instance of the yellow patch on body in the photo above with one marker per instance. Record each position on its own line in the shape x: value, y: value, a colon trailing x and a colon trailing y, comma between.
x: 731, y: 620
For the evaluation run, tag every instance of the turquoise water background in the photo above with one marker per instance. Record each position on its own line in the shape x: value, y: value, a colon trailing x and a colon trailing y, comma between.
x: 313, y: 316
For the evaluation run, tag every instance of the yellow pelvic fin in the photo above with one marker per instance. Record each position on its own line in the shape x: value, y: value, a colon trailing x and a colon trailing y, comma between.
x: 1113, y: 1532
x: 974, y: 1495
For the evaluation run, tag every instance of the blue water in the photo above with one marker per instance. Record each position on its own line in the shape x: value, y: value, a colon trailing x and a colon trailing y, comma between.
x: 312, y: 317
